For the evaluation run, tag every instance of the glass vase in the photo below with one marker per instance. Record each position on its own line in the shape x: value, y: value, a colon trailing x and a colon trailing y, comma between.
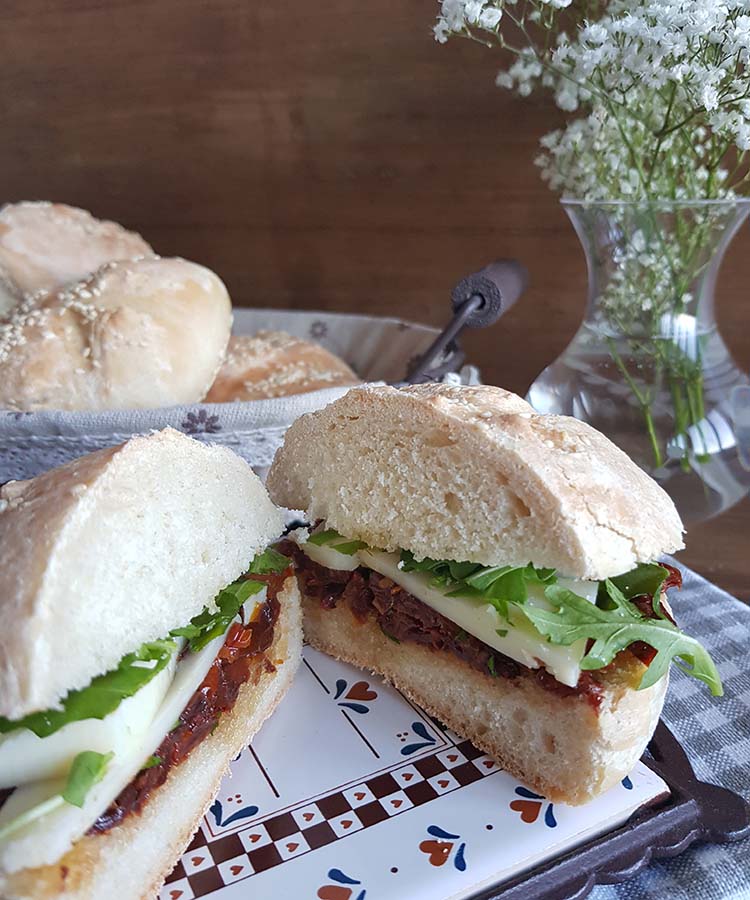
x: 648, y: 366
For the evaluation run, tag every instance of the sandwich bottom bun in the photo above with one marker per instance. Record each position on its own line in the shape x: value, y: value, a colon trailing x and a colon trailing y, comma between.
x: 132, y: 860
x: 558, y: 745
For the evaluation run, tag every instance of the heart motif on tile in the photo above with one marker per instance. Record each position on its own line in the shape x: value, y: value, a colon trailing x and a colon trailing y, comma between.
x: 235, y: 870
x: 407, y: 776
x: 488, y: 763
x: 396, y: 803
x: 346, y: 823
x: 437, y: 851
x: 196, y: 860
x: 452, y: 757
x: 291, y: 847
x: 254, y: 838
x: 361, y: 691
x: 307, y: 816
x: 443, y: 783
x: 529, y: 809
x: 175, y: 894
x: 359, y: 795
x: 334, y: 892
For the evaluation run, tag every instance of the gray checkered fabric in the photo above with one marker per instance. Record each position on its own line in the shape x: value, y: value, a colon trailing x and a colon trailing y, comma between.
x: 715, y: 732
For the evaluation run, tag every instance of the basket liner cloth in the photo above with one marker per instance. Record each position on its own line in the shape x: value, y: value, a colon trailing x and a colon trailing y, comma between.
x: 378, y: 349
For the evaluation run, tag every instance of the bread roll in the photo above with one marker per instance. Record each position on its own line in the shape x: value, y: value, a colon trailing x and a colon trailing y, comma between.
x: 562, y: 746
x: 113, y: 529
x: 136, y: 334
x: 504, y: 485
x: 132, y: 860
x: 44, y: 246
x: 275, y: 364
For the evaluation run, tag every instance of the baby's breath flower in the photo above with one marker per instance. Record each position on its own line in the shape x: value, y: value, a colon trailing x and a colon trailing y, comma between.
x: 659, y: 87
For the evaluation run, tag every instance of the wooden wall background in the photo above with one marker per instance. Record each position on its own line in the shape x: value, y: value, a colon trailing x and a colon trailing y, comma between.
x: 316, y: 155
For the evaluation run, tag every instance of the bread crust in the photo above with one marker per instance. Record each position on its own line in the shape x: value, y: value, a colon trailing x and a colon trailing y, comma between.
x: 561, y: 747
x: 89, y: 525
x: 473, y: 473
x: 44, y: 246
x: 275, y: 364
x: 132, y: 860
x: 136, y: 334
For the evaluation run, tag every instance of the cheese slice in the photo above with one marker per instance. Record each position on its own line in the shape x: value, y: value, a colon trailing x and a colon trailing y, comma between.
x: 24, y: 757
x: 36, y: 829
x: 325, y: 555
x: 517, y: 638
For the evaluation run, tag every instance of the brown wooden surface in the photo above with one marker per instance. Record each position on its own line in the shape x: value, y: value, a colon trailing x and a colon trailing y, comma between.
x: 317, y: 155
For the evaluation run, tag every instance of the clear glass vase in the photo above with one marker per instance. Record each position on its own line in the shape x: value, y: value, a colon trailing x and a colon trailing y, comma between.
x: 648, y: 366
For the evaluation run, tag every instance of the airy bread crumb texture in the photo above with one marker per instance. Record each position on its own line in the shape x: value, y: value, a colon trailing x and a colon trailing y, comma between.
x: 473, y: 473
x: 131, y: 861
x: 114, y: 549
x: 558, y: 746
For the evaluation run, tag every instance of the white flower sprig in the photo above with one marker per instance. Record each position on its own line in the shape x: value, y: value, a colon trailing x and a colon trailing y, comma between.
x: 657, y: 82
x: 660, y: 96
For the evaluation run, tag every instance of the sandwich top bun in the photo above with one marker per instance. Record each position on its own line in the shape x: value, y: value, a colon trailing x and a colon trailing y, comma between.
x: 275, y: 364
x: 44, y: 246
x: 83, y: 581
x: 139, y: 333
x: 473, y: 474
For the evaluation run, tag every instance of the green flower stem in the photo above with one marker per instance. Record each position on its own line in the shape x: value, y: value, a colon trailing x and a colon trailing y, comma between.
x: 643, y: 402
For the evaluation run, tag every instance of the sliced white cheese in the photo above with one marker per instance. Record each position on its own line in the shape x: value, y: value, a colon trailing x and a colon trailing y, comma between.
x: 521, y: 642
x: 326, y: 556
x: 33, y: 802
x: 44, y: 839
x: 24, y: 757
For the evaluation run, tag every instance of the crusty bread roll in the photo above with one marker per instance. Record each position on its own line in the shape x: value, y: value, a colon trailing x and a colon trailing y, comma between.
x: 44, y: 246
x: 559, y: 744
x: 439, y: 497
x: 132, y: 860
x: 504, y: 485
x: 114, y: 527
x: 275, y: 364
x: 139, y: 333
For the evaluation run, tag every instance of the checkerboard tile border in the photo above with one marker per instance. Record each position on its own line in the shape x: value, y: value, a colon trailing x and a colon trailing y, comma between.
x: 207, y: 866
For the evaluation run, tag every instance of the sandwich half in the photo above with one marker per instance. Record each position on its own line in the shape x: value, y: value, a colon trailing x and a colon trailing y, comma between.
x: 497, y: 566
x: 146, y: 631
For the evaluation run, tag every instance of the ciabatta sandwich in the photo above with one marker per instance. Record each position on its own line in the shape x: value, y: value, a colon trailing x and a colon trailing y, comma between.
x: 498, y: 567
x: 146, y: 632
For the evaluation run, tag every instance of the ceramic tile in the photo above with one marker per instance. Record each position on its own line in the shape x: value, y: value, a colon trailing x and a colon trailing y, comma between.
x: 351, y: 792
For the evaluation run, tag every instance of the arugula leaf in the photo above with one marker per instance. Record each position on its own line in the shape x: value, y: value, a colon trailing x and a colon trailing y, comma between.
x: 88, y: 768
x: 337, y: 541
x: 613, y: 624
x: 390, y: 636
x: 324, y: 537
x: 574, y: 618
x: 496, y: 585
x: 211, y: 623
x: 349, y: 548
x: 646, y: 578
x: 152, y: 762
x: 270, y: 561
x: 103, y: 694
